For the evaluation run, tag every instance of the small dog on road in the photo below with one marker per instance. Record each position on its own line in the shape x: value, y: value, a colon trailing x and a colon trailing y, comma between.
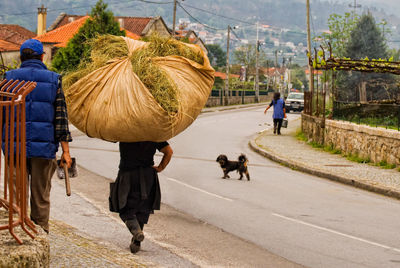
x: 228, y: 166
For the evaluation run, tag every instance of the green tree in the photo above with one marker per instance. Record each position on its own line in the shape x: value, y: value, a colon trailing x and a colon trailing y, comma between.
x: 366, y: 42
x: 340, y: 29
x: 246, y: 56
x: 101, y: 21
x: 298, y: 76
x: 395, y: 53
x: 217, y: 55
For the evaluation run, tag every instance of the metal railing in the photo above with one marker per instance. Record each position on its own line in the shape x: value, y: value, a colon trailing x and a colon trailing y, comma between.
x: 13, y: 133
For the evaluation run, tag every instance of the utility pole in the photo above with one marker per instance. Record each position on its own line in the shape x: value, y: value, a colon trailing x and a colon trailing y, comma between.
x: 257, y: 86
x: 310, y: 68
x: 174, y: 18
x: 227, y: 67
x: 289, y: 76
x: 268, y: 76
x: 276, y: 67
x: 355, y: 6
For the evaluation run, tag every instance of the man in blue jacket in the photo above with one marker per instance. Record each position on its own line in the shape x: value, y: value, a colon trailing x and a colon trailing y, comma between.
x: 46, y: 127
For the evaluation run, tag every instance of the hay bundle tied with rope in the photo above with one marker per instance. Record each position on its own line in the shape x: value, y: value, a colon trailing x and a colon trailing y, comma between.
x: 129, y: 90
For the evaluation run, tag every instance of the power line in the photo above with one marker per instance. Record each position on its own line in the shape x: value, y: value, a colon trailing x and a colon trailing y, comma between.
x: 218, y: 15
x: 155, y: 2
x: 234, y: 33
x: 118, y: 2
x: 190, y: 15
x: 312, y: 23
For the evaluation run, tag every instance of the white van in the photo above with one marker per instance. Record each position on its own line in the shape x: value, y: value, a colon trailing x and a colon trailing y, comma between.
x: 294, y: 102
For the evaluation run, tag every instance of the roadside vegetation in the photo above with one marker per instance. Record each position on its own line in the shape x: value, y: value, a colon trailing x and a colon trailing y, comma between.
x: 351, y: 157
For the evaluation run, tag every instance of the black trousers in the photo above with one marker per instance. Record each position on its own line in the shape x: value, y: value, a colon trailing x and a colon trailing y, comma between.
x: 278, y: 122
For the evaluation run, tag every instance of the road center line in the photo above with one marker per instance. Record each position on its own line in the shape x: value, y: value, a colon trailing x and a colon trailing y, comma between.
x: 198, y: 189
x: 337, y: 233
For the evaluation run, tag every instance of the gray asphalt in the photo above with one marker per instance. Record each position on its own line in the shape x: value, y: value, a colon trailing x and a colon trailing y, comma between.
x: 305, y: 219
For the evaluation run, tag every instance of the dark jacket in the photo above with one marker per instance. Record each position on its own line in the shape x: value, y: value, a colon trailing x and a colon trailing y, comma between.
x: 40, y: 108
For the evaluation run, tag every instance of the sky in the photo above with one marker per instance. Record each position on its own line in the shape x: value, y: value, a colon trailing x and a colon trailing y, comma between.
x: 390, y: 6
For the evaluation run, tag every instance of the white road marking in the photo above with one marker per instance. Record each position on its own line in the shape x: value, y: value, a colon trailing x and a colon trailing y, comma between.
x: 337, y: 233
x: 198, y: 189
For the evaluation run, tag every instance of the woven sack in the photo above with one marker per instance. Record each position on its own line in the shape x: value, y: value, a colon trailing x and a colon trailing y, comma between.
x: 112, y: 104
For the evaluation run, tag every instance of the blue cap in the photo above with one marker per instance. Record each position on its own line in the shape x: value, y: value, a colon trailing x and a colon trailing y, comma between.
x: 33, y: 44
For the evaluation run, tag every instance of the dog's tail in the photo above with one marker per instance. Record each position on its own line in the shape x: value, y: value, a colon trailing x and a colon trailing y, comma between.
x: 243, y: 159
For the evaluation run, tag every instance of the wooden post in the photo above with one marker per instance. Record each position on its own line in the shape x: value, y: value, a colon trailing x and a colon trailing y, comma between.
x: 310, y: 68
x: 174, y: 19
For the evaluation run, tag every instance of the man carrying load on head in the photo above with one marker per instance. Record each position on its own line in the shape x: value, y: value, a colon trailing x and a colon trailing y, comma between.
x: 46, y: 127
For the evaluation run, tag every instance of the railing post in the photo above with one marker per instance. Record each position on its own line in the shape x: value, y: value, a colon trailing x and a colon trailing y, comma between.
x: 12, y: 100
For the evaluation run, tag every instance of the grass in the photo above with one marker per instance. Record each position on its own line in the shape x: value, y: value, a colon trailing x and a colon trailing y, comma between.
x: 301, y: 136
x: 385, y: 122
x: 383, y: 164
x: 316, y: 145
x: 103, y: 49
x: 357, y: 158
x: 351, y: 157
x: 107, y: 47
x: 331, y: 149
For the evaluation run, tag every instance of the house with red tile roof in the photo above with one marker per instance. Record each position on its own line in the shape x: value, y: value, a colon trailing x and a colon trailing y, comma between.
x: 11, y: 38
x: 223, y: 75
x: 316, y: 72
x: 15, y: 33
x: 141, y: 26
x: 66, y: 26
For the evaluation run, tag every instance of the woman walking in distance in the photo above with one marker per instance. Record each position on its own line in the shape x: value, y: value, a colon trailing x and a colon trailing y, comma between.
x: 136, y: 192
x: 279, y: 112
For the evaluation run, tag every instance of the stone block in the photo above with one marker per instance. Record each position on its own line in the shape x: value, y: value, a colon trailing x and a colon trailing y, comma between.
x: 33, y: 253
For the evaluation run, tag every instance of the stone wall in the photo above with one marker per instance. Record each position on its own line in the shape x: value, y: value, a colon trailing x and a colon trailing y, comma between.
x: 10, y: 58
x: 375, y: 144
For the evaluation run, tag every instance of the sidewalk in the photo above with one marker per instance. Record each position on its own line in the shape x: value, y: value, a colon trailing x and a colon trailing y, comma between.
x: 71, y: 248
x: 289, y: 151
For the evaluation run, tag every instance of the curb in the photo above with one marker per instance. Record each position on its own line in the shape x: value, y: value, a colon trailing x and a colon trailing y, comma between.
x: 298, y: 166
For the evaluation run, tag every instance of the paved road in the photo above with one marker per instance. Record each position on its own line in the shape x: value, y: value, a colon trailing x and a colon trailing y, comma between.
x: 308, y: 220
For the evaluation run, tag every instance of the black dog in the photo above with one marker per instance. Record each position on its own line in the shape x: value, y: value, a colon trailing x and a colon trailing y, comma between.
x: 228, y: 166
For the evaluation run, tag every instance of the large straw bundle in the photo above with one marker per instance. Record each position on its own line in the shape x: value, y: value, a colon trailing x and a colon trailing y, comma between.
x: 134, y: 91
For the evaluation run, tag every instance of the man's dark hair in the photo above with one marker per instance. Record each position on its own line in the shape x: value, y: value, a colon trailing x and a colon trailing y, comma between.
x: 277, y: 95
x: 29, y: 54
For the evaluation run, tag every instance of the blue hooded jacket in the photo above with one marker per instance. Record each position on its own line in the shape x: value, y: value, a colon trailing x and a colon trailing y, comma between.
x: 40, y: 108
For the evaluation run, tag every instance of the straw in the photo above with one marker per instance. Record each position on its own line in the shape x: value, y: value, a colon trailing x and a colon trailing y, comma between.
x: 163, y: 89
